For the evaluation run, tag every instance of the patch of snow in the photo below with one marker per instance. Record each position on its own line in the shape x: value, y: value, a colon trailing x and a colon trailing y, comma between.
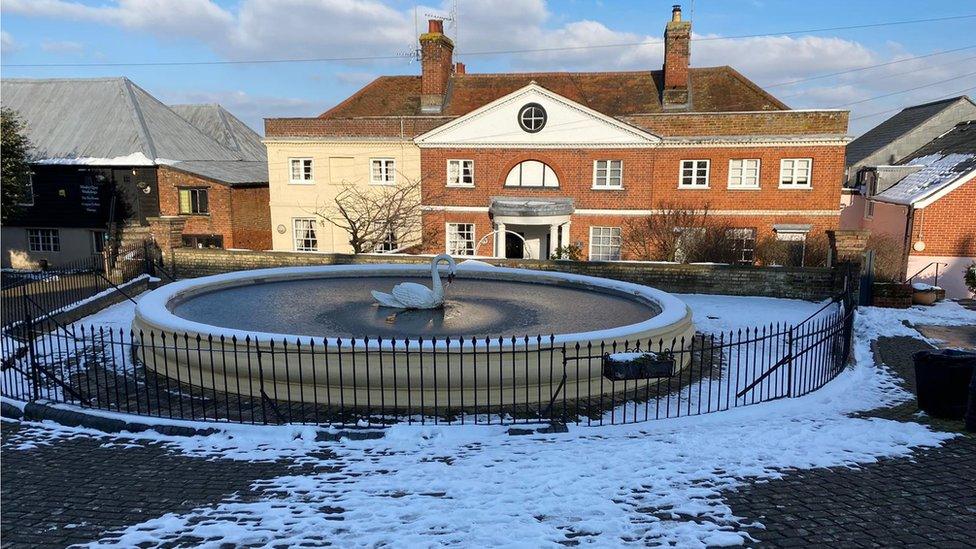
x: 923, y: 287
x: 474, y: 264
x: 134, y: 159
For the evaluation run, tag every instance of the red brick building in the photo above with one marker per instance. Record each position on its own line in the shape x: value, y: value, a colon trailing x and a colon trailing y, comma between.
x: 522, y: 164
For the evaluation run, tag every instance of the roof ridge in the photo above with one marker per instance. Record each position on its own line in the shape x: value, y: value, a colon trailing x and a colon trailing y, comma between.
x: 936, y: 102
x: 136, y: 112
x: 222, y: 113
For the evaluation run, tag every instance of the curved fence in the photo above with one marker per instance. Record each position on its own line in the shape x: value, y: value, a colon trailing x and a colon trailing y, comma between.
x: 174, y: 376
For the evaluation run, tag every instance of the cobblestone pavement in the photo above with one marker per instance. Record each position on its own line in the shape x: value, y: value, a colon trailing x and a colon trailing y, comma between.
x: 928, y: 500
x: 78, y: 488
x: 73, y: 490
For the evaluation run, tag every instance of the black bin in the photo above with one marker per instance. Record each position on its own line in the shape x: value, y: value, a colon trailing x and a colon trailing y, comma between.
x: 942, y: 381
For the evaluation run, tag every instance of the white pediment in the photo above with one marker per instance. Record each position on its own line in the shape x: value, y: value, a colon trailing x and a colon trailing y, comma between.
x: 568, y: 124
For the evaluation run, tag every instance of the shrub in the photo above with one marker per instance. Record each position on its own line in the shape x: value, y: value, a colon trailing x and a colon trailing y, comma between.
x: 572, y: 252
x: 970, y: 277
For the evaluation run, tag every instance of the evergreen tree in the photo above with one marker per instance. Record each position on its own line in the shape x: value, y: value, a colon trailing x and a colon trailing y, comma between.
x: 15, y: 168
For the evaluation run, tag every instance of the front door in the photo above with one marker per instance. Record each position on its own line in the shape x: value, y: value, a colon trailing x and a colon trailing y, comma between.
x: 514, y: 246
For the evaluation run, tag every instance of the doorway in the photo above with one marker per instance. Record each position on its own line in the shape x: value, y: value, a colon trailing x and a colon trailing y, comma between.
x: 515, y: 247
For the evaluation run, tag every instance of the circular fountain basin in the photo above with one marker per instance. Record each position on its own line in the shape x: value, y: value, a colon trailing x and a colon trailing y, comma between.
x: 302, y: 318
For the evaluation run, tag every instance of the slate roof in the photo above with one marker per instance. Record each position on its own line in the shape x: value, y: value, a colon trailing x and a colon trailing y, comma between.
x: 611, y: 93
x: 944, y: 161
x: 232, y: 173
x: 895, y: 127
x: 228, y: 130
x: 104, y: 118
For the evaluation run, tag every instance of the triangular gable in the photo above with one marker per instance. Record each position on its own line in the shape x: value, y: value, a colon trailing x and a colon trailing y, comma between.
x: 568, y: 124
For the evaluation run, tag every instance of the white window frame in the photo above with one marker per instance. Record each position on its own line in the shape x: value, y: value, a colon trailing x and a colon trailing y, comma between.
x: 544, y: 184
x: 460, y: 162
x: 302, y: 179
x: 742, y: 173
x: 44, y: 243
x: 735, y: 234
x: 447, y: 238
x: 387, y: 171
x: 694, y: 173
x: 604, y: 183
x: 611, y: 245
x: 294, y: 234
x: 792, y: 168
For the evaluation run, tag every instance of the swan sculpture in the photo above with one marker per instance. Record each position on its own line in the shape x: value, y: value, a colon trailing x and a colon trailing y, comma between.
x: 410, y: 295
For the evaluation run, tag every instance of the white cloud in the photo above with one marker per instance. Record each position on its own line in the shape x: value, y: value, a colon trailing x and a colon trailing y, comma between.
x: 8, y: 44
x: 65, y: 47
x: 274, y: 29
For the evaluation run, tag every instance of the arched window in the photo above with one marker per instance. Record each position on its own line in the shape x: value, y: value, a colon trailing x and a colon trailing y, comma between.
x: 532, y: 173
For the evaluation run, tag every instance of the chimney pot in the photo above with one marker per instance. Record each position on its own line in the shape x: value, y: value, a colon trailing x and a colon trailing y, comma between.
x: 435, y: 25
x: 676, y: 13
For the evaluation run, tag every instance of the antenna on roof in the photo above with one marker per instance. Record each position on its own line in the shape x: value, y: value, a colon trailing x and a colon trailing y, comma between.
x: 451, y: 18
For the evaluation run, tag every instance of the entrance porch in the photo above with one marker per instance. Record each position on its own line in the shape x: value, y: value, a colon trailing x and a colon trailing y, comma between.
x: 530, y: 228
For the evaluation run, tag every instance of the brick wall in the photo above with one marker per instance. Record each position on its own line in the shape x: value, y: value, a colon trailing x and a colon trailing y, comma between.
x: 742, y: 123
x: 948, y: 226
x: 241, y: 215
x: 799, y: 283
x: 346, y: 128
x: 650, y: 180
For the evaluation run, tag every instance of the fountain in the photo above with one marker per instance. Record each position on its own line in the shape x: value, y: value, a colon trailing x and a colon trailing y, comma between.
x: 500, y: 334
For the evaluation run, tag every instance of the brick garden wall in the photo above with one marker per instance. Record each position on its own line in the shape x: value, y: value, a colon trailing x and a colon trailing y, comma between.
x: 800, y: 283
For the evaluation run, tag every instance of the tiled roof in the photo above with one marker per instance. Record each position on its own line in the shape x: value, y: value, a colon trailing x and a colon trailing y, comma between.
x: 612, y: 93
x: 943, y: 161
x: 895, y: 127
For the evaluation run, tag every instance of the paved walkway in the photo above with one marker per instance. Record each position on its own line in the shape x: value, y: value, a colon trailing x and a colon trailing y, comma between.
x: 74, y: 490
x: 928, y: 500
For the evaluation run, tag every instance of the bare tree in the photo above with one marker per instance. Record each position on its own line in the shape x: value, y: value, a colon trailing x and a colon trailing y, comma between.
x: 664, y: 235
x: 376, y: 217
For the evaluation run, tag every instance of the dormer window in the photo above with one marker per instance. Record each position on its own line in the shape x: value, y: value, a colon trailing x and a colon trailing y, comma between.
x: 531, y: 173
x: 532, y: 117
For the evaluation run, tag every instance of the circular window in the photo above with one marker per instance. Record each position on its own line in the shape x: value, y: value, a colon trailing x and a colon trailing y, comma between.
x: 532, y: 117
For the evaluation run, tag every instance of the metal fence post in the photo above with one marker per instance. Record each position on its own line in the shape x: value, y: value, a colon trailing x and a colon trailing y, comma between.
x: 32, y: 360
x: 789, y: 364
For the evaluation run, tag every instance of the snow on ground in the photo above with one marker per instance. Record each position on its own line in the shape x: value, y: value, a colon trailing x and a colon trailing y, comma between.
x: 723, y: 313
x: 652, y: 483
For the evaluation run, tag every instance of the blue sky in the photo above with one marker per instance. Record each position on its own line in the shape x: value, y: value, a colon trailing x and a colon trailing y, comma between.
x: 72, y: 31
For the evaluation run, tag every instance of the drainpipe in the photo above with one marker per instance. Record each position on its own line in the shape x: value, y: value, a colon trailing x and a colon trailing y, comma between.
x: 907, y: 243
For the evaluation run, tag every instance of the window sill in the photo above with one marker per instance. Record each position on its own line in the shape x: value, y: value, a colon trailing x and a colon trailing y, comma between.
x: 383, y: 183
x: 449, y: 186
x: 194, y: 215
x: 734, y: 188
x: 797, y: 187
x: 620, y: 188
x: 693, y: 187
x: 533, y: 187
x: 301, y: 182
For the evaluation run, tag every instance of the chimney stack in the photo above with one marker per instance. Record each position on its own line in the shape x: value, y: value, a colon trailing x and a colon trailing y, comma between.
x: 677, y: 51
x: 436, y: 58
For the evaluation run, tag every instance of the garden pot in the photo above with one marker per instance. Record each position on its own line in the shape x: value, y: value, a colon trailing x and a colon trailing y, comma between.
x: 924, y: 297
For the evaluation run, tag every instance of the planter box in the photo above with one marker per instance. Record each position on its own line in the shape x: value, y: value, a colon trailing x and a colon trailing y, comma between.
x: 892, y: 295
x: 637, y: 365
x: 925, y: 297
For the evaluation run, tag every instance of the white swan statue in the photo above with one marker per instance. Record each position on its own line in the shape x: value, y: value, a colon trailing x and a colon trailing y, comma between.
x: 410, y: 295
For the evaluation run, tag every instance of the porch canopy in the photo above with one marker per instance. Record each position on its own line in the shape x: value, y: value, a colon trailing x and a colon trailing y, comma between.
x: 543, y: 221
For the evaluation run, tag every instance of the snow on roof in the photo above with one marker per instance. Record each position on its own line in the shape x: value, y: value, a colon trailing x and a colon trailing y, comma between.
x: 937, y: 172
x: 942, y: 163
